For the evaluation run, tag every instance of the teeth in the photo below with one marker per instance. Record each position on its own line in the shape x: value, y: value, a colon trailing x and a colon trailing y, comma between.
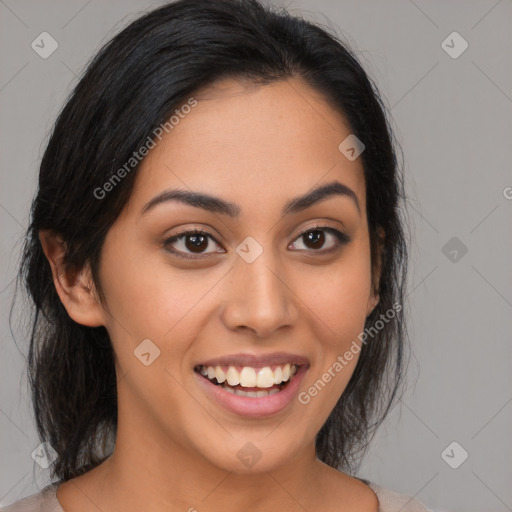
x: 250, y: 377
x: 233, y: 377
x: 265, y: 378
x: 286, y: 372
x: 220, y: 375
x: 252, y: 394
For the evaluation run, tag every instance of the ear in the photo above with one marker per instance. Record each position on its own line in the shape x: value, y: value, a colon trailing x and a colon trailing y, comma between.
x: 75, y: 288
x: 376, y: 272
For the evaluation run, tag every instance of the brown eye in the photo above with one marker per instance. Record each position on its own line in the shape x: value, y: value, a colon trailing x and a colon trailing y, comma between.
x: 191, y: 243
x: 196, y: 243
x: 315, y: 239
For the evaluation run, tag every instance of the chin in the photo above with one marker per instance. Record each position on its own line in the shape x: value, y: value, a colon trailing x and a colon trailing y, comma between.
x: 252, y: 457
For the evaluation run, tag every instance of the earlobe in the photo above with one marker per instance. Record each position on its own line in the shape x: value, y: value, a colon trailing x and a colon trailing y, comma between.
x: 74, y: 287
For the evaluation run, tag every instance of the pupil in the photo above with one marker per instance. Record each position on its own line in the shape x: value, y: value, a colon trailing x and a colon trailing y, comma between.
x: 316, y: 237
x: 195, y: 242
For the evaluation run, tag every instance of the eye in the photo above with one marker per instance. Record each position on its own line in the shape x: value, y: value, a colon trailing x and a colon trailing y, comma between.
x: 315, y: 238
x: 192, y: 242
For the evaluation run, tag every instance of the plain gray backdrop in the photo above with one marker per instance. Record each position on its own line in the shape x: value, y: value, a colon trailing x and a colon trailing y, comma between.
x: 451, y: 108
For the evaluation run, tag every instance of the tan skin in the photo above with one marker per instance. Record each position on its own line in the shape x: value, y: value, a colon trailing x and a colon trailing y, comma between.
x: 258, y: 147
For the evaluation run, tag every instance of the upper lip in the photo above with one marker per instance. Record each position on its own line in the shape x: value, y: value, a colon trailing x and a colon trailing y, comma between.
x: 256, y: 361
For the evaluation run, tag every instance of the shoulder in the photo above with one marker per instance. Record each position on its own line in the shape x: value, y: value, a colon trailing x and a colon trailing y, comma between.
x: 391, y: 501
x: 43, y: 501
x: 46, y: 501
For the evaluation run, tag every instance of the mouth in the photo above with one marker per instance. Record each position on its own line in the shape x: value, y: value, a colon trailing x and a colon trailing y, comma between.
x: 253, y: 386
x: 248, y: 381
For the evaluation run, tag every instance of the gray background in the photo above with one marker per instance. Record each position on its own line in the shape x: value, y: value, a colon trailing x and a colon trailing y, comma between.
x: 453, y: 119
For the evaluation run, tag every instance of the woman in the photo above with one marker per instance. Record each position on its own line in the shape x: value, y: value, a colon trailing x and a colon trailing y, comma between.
x: 217, y: 262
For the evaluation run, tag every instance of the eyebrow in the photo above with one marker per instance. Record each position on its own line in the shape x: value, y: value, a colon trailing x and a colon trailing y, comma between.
x: 218, y: 205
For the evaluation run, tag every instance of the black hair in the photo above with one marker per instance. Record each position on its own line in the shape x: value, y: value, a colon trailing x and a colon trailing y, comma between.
x: 132, y: 86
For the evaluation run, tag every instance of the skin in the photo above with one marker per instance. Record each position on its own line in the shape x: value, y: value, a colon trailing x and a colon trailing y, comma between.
x: 258, y: 147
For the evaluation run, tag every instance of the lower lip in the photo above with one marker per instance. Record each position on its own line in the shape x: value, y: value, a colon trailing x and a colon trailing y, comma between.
x: 255, y: 407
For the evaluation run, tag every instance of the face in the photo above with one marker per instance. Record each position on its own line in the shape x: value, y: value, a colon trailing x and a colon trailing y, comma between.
x: 212, y: 302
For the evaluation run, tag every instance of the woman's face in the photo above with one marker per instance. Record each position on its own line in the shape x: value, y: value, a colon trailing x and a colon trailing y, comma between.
x: 271, y: 281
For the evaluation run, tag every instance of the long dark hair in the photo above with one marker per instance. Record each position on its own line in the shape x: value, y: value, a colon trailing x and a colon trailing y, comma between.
x: 130, y: 88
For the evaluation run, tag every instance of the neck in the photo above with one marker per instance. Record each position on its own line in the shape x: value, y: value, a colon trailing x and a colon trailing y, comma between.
x: 158, y: 474
x: 153, y: 478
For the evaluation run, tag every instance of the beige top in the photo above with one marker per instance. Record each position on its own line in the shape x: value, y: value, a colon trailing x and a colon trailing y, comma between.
x: 46, y: 501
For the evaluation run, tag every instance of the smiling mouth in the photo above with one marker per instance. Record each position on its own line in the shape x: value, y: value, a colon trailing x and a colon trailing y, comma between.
x: 248, y: 381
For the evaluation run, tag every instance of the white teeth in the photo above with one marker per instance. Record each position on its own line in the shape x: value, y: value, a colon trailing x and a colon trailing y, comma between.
x: 250, y: 377
x: 220, y: 375
x: 233, y: 377
x: 252, y: 394
x: 265, y: 378
x: 286, y: 372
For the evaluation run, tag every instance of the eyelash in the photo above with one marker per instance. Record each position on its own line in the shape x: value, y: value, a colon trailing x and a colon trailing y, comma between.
x: 342, y: 239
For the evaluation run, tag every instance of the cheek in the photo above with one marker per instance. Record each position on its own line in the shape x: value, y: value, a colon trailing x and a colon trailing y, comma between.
x: 146, y: 298
x: 338, y: 295
x: 150, y: 302
x: 338, y: 301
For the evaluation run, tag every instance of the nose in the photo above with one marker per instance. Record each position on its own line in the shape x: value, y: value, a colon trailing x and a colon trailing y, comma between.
x: 260, y: 298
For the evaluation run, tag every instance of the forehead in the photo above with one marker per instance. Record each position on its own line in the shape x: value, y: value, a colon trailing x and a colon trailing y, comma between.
x: 251, y: 142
